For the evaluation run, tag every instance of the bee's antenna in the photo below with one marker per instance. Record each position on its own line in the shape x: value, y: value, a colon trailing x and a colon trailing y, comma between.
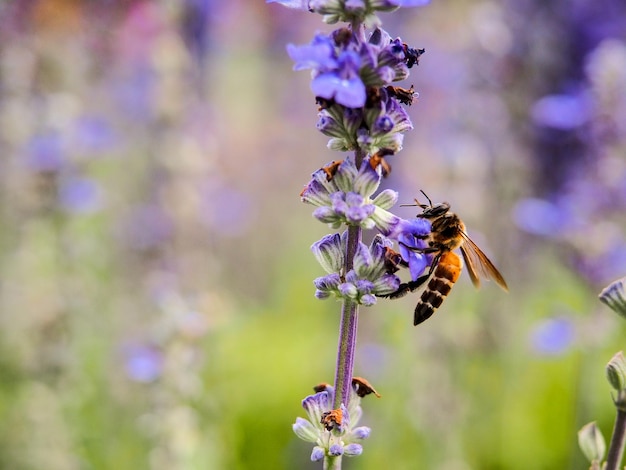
x: 419, y: 204
x: 430, y: 203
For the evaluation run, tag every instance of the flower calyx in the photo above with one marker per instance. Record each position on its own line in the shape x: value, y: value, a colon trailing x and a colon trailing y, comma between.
x: 334, y: 431
x: 369, y: 278
x: 343, y: 195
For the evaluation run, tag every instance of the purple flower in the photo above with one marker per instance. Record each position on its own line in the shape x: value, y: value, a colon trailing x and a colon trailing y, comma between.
x: 349, y: 91
x: 340, y: 438
x: 342, y: 83
x: 368, y: 278
x: 335, y: 72
x: 411, y: 236
x: 319, y: 55
x: 345, y: 197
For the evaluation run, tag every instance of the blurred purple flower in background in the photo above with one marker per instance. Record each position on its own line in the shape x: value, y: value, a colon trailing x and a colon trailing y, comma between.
x: 552, y: 336
x: 80, y: 195
x: 45, y: 152
x: 93, y: 134
x: 565, y: 112
x: 540, y: 217
x: 142, y: 362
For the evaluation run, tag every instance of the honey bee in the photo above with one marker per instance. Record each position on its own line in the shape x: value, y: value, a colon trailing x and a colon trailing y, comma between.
x: 447, y: 234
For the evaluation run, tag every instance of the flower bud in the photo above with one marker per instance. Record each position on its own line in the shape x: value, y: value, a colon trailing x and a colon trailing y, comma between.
x: 305, y: 430
x: 616, y: 372
x: 317, y: 454
x: 591, y: 442
x: 329, y: 253
x: 614, y: 295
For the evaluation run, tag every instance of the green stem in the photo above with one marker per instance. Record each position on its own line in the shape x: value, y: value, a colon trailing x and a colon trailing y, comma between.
x: 332, y: 463
x: 347, y: 331
x: 616, y: 449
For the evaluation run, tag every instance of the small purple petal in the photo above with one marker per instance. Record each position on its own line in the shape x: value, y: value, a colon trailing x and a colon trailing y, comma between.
x: 409, y: 3
x: 315, y: 405
x: 296, y: 4
x: 417, y: 264
x: 355, y: 5
x: 336, y: 450
x: 368, y: 300
x: 382, y: 125
x: 362, y: 432
x: 348, y: 92
x: 325, y: 214
x: 352, y: 450
x: 318, y: 55
x: 364, y: 285
x: 328, y: 283
x: 356, y: 215
x: 348, y: 289
x: 317, y: 454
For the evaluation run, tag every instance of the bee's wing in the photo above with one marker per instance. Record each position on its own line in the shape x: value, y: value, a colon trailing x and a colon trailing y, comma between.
x: 479, y: 265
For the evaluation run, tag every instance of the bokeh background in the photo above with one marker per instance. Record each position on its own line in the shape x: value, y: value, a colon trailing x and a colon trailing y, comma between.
x: 156, y: 297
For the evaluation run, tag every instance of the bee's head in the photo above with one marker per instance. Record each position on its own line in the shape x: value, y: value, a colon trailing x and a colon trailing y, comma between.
x: 432, y: 212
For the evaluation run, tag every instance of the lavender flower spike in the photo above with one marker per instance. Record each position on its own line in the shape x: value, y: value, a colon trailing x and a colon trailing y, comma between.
x: 360, y: 109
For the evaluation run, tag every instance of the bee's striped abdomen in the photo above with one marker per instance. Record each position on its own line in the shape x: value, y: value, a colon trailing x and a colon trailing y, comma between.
x: 446, y: 274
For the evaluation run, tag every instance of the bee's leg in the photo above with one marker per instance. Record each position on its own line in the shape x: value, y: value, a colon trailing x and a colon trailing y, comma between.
x: 430, y: 249
x: 407, y: 287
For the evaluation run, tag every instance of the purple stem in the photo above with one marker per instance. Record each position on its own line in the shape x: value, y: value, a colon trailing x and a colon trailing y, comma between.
x: 349, y: 320
x: 616, y: 448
